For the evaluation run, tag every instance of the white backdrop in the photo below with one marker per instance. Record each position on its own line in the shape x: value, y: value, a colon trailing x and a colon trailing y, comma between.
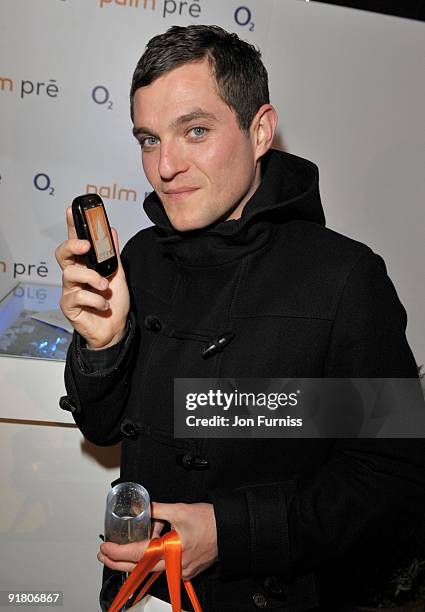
x: 348, y: 86
x: 350, y: 93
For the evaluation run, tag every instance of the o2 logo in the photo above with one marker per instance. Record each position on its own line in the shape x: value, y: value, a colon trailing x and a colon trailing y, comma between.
x: 100, y: 95
x: 243, y: 16
x: 42, y: 182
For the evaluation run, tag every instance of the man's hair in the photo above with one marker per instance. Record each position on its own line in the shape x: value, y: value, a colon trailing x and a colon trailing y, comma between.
x: 241, y: 77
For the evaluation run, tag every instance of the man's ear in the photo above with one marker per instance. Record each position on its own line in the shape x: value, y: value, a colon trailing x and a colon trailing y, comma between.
x: 262, y: 129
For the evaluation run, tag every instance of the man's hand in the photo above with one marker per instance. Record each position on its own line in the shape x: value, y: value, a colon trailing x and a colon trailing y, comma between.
x: 96, y: 307
x: 195, y: 524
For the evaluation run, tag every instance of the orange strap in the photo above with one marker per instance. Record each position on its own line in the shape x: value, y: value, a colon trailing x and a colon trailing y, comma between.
x: 167, y: 547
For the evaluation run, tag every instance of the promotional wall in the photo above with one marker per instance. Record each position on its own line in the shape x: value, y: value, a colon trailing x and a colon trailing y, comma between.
x: 348, y: 86
x: 349, y: 89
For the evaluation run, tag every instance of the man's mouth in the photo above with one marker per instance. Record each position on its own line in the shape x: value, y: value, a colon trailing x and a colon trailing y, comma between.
x: 179, y: 194
x: 180, y: 190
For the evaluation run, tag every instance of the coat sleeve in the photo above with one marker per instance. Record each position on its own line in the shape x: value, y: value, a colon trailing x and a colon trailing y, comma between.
x: 360, y: 495
x: 100, y: 395
x: 98, y: 383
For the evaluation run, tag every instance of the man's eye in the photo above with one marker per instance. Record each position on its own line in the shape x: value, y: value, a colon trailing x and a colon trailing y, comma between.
x: 198, y: 131
x: 148, y: 141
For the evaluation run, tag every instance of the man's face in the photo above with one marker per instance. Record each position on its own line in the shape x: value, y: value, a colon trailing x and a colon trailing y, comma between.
x: 194, y: 154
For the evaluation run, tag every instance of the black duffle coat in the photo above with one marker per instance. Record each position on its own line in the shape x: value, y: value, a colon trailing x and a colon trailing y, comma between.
x: 300, y: 522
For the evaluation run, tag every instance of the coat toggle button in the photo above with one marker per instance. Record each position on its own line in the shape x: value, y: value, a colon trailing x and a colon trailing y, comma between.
x: 128, y: 428
x: 217, y: 345
x: 259, y: 600
x: 68, y: 403
x: 193, y: 462
x: 153, y: 323
x: 273, y: 588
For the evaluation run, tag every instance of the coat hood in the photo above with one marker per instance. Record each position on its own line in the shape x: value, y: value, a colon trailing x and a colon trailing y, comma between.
x: 289, y: 190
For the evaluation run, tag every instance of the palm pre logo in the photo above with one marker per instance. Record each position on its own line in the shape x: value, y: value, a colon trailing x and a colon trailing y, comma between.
x: 28, y: 87
x: 25, y: 269
x: 130, y: 3
x: 169, y: 7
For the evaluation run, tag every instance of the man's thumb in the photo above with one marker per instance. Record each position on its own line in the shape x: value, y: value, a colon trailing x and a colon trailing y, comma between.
x: 165, y: 512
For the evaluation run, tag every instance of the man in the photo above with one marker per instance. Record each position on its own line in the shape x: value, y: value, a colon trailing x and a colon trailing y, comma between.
x: 238, y: 278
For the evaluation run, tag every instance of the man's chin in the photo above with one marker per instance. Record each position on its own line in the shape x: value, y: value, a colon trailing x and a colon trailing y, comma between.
x: 188, y: 224
x: 187, y: 228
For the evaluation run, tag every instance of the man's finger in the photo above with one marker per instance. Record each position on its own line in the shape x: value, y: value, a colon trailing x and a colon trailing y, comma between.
x: 124, y: 566
x: 120, y: 566
x: 117, y: 248
x: 157, y: 528
x: 72, y: 233
x: 68, y: 251
x: 124, y: 552
x: 72, y: 302
x: 116, y: 241
x: 168, y: 512
x: 124, y: 557
x: 80, y: 275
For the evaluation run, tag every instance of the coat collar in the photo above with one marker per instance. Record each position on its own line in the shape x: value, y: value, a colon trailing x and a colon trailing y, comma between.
x: 288, y: 190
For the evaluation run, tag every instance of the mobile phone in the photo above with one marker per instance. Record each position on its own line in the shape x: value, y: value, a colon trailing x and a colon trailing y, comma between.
x: 91, y: 223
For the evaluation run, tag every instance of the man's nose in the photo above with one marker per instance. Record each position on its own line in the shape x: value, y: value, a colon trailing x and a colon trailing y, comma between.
x: 171, y: 160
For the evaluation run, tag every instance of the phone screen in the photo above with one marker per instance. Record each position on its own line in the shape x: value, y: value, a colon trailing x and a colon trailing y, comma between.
x: 98, y: 226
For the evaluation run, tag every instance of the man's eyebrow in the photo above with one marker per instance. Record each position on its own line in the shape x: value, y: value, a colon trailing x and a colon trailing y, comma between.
x: 193, y: 115
x: 142, y: 130
x: 197, y: 113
